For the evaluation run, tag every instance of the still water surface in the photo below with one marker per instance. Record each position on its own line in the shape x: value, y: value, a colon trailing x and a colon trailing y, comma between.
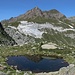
x: 25, y: 63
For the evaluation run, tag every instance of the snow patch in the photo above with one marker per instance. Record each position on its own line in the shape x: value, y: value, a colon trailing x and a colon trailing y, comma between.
x: 12, y: 27
x: 71, y: 26
x: 34, y: 29
x: 23, y: 22
x: 30, y: 29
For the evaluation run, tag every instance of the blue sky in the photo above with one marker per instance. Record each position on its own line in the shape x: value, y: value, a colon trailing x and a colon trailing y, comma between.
x: 13, y: 8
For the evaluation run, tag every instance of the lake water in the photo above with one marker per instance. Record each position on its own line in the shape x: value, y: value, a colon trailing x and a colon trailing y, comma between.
x: 36, y: 64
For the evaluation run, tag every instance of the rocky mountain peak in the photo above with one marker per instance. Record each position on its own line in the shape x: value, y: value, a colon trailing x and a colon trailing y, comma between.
x: 36, y: 8
x: 39, y: 16
x: 54, y: 11
x: 37, y: 12
x: 33, y: 13
x: 54, y: 14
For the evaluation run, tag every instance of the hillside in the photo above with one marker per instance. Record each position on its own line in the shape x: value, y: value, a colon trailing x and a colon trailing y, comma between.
x: 37, y: 26
x: 5, y: 39
x: 72, y: 18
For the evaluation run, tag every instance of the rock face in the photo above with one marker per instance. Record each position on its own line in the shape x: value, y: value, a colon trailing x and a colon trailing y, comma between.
x: 19, y: 38
x: 5, y: 39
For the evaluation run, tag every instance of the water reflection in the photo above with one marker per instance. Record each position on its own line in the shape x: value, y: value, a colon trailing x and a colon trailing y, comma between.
x: 36, y: 64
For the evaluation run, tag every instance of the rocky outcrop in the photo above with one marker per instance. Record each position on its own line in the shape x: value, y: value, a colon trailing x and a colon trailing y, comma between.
x: 5, y: 39
x: 18, y: 37
x: 69, y: 70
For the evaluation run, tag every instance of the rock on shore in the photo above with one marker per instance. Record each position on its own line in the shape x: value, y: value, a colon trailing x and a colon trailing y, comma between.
x: 69, y: 70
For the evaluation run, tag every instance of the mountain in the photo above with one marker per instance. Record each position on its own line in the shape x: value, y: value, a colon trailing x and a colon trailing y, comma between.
x: 37, y: 26
x: 72, y: 18
x: 37, y: 15
x: 36, y: 12
x: 5, y: 39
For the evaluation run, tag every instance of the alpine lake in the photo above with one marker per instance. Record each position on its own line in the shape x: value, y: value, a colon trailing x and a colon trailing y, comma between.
x: 36, y: 63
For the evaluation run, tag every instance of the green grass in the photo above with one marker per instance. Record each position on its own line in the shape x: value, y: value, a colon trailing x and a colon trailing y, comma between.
x: 15, y: 24
x: 42, y: 20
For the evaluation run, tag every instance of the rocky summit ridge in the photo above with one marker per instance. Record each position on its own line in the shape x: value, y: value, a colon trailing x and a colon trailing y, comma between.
x: 37, y: 13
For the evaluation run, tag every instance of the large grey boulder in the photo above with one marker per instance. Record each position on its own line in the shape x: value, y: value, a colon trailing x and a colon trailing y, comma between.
x: 69, y: 70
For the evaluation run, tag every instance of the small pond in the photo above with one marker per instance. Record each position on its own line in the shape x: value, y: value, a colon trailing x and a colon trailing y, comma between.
x: 36, y: 64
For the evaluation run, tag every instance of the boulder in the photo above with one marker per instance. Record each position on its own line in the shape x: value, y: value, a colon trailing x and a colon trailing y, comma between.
x: 49, y: 46
x: 69, y: 70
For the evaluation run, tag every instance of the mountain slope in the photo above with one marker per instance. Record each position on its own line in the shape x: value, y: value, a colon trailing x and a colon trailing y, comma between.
x: 36, y: 26
x: 5, y: 39
x: 72, y: 18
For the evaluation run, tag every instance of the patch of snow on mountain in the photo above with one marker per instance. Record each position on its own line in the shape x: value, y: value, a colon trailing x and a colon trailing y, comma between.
x: 33, y: 29
x: 12, y: 27
x: 71, y: 26
x: 30, y: 29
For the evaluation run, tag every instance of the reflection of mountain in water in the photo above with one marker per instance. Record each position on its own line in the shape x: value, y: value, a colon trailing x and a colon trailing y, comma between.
x: 44, y: 65
x: 38, y: 58
x: 34, y: 58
